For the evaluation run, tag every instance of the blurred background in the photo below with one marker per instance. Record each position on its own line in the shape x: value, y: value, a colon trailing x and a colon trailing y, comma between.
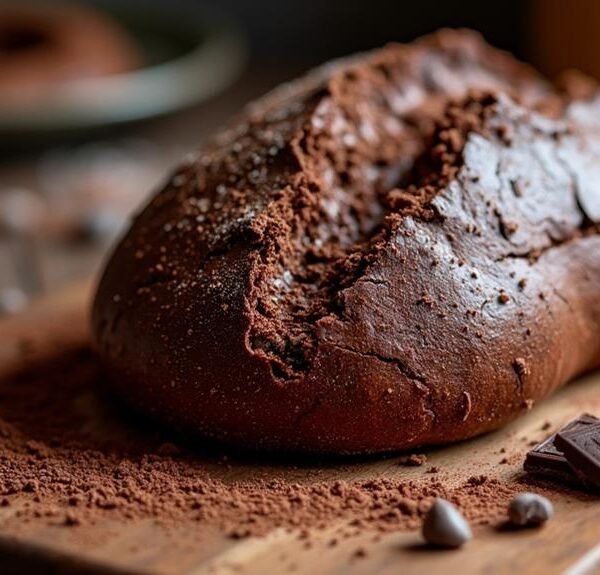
x: 98, y: 99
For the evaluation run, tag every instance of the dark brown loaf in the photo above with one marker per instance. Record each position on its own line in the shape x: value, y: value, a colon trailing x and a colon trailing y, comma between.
x: 303, y: 285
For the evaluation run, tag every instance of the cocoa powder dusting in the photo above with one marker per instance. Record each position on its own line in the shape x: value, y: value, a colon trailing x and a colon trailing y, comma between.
x: 69, y: 456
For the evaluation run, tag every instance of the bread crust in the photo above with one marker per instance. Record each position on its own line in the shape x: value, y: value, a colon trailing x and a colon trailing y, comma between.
x: 358, y: 265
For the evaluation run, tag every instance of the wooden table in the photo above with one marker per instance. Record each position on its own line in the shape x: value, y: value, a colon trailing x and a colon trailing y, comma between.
x: 569, y: 544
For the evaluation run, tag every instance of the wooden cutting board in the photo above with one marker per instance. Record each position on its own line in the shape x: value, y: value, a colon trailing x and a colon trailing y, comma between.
x: 569, y: 544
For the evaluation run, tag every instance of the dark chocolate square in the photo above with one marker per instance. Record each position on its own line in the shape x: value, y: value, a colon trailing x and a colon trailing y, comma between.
x: 581, y: 449
x: 546, y: 458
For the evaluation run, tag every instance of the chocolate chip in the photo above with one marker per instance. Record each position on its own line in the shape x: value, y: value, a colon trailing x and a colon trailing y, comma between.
x: 445, y: 526
x: 530, y: 509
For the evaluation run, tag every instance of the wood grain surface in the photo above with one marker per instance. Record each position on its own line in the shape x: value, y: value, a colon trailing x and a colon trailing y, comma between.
x: 569, y: 544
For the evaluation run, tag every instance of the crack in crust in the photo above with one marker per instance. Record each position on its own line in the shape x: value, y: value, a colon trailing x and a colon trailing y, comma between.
x: 338, y: 214
x: 483, y: 116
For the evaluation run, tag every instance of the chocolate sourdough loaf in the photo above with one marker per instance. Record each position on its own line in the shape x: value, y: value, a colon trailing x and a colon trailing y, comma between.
x: 360, y: 263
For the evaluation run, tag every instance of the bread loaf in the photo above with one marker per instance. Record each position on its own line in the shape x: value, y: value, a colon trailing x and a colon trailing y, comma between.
x: 395, y: 251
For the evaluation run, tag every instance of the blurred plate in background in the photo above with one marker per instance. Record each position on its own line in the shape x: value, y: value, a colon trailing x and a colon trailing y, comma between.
x: 188, y: 54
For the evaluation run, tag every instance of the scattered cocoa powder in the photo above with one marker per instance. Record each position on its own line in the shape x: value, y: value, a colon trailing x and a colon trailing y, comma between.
x: 70, y: 456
